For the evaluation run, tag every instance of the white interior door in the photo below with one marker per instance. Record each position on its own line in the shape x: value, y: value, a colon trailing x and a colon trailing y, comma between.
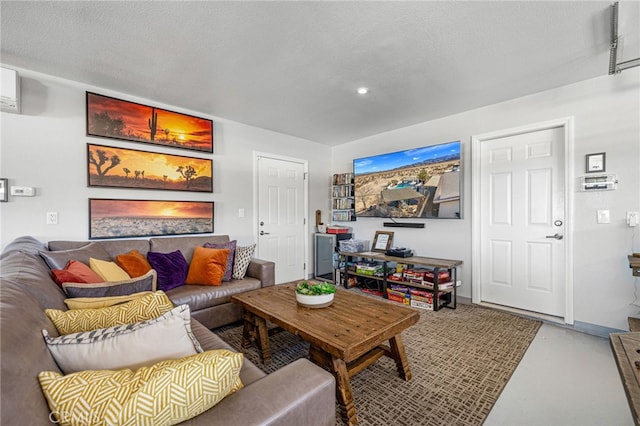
x: 281, y: 216
x: 522, y: 211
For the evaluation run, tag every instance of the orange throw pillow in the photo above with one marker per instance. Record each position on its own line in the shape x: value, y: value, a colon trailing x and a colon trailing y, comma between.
x: 133, y: 263
x: 75, y: 272
x: 207, y: 266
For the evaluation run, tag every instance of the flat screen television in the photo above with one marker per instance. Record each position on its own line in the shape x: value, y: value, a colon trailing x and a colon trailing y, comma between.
x: 414, y: 183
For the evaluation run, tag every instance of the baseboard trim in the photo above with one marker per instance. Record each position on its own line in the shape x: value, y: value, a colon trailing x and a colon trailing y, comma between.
x: 582, y: 327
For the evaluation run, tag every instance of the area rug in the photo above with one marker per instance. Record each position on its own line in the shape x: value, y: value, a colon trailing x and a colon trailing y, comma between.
x: 460, y: 361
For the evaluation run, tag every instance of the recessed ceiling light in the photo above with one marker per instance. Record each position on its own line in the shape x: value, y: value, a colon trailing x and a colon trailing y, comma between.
x: 362, y: 90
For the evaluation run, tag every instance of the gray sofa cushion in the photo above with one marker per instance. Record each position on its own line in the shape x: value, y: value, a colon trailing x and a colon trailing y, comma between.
x: 204, y: 296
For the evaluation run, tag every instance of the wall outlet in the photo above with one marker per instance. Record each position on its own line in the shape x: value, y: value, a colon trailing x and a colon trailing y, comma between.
x: 633, y: 218
x: 52, y: 218
x: 458, y: 283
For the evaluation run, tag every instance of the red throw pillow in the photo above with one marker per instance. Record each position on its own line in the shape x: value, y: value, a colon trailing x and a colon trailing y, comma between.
x: 133, y: 263
x: 207, y: 266
x: 75, y: 272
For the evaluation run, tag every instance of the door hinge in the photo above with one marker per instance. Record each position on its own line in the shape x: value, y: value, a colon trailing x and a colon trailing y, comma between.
x: 305, y: 176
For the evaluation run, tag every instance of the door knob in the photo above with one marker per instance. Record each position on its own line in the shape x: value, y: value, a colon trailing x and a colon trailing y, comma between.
x: 556, y: 236
x: 264, y: 233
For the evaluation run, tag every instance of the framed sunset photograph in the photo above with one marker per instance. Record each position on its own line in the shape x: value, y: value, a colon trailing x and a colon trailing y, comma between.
x: 113, y: 118
x: 131, y: 168
x: 114, y: 218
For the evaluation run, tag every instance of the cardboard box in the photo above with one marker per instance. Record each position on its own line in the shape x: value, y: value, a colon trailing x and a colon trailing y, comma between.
x: 401, y: 288
x: 422, y: 302
x: 398, y: 296
x: 441, y: 286
x: 442, y: 276
x: 414, y: 273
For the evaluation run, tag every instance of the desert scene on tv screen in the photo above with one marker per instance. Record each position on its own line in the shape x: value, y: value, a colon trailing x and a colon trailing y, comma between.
x: 415, y: 183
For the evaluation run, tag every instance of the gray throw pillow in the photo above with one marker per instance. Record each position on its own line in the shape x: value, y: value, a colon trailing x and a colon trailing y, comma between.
x: 147, y: 282
x: 59, y: 259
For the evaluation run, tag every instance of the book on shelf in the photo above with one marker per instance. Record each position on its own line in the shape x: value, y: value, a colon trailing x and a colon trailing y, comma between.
x: 343, y: 179
x: 342, y: 216
x: 341, y: 191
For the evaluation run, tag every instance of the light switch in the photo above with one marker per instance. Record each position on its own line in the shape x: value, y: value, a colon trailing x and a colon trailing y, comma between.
x: 604, y: 216
x: 241, y: 212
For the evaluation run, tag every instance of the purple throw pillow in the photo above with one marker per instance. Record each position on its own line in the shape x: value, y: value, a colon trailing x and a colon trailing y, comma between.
x: 231, y: 245
x: 171, y: 268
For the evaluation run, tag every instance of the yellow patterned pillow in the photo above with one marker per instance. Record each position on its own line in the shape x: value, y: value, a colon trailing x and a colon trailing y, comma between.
x: 166, y: 393
x: 142, y: 309
x: 102, y: 302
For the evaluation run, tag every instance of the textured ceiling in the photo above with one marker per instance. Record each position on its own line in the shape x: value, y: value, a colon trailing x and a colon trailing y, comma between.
x: 293, y: 67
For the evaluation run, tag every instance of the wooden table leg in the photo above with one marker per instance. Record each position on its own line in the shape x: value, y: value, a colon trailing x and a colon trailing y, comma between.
x: 400, y: 357
x: 263, y: 339
x: 248, y: 331
x: 255, y: 330
x: 344, y: 394
x: 343, y: 391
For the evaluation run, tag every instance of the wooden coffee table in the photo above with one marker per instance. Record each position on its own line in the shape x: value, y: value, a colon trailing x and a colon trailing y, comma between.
x: 345, y: 337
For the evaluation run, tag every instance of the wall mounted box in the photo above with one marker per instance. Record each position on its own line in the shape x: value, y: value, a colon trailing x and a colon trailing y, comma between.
x: 9, y: 90
x: 597, y: 183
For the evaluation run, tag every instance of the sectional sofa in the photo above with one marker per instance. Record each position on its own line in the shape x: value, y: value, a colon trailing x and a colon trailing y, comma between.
x: 298, y: 394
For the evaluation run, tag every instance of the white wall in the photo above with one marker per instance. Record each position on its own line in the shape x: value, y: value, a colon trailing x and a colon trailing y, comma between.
x: 45, y: 147
x: 607, y: 118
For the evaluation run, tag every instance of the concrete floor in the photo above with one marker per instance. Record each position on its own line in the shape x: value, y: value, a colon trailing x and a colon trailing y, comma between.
x: 566, y: 378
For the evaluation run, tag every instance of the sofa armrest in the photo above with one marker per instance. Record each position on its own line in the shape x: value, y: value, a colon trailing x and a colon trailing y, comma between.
x: 264, y: 270
x: 300, y: 393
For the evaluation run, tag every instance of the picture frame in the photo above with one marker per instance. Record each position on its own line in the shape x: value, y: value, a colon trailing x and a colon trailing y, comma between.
x: 109, y: 166
x: 596, y: 163
x: 113, y: 118
x: 382, y: 241
x: 4, y: 190
x: 124, y: 218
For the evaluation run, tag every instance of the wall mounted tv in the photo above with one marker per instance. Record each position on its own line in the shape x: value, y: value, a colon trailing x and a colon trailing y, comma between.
x: 414, y: 183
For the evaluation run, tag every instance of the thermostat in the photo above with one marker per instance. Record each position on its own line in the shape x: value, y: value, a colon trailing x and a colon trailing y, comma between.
x: 23, y: 191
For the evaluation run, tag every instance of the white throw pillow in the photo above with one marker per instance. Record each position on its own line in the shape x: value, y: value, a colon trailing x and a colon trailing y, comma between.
x: 126, y: 346
x: 242, y: 260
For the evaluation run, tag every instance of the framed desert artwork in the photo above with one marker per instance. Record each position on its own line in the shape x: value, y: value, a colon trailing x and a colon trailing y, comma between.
x: 131, y: 168
x: 115, y: 218
x: 109, y: 117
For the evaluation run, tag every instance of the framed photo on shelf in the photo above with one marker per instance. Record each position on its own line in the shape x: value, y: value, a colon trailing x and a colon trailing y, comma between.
x: 113, y: 118
x: 109, y: 166
x: 111, y: 218
x: 382, y: 241
x: 596, y: 163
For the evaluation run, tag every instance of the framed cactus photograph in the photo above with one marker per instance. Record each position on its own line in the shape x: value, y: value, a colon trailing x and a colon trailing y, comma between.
x: 113, y: 118
x: 109, y: 166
